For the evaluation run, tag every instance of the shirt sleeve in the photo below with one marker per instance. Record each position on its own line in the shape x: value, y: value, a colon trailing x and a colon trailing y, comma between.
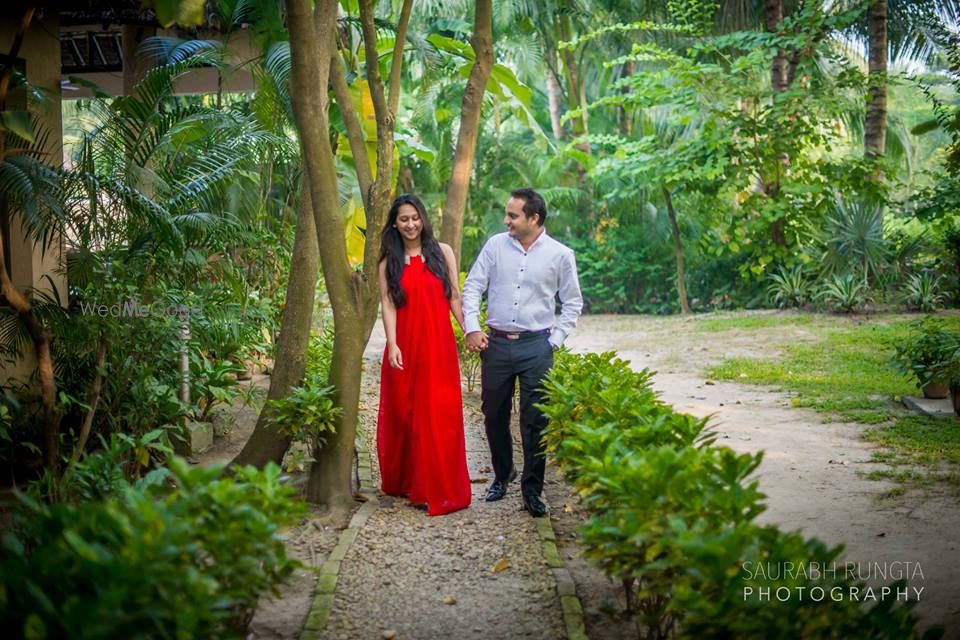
x: 571, y: 300
x: 473, y: 288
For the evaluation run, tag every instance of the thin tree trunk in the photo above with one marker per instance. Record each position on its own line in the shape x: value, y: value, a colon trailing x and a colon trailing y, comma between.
x: 677, y: 253
x: 779, y: 82
x: 455, y: 205
x: 93, y: 399
x: 266, y: 443
x: 778, y: 69
x: 623, y: 115
x: 39, y: 334
x: 875, y: 126
x: 553, y: 99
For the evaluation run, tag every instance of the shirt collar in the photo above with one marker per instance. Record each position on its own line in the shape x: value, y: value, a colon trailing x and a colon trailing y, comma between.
x: 539, y: 240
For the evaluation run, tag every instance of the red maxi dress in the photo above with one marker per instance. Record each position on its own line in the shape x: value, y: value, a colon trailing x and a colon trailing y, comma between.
x: 420, y: 440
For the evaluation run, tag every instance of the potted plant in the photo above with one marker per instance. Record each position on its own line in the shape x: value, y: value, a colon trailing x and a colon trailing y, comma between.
x: 928, y: 355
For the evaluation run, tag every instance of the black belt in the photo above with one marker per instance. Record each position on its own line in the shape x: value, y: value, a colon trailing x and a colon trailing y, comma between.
x: 518, y: 335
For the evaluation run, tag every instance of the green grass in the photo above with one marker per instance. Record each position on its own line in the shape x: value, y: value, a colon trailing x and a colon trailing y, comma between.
x: 847, y: 376
x: 753, y: 322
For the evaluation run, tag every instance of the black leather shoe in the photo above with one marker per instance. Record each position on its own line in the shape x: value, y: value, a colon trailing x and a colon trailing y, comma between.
x: 496, y: 491
x: 534, y: 506
x: 499, y: 487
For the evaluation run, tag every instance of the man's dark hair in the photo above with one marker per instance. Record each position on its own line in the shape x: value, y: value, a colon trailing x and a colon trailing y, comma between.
x: 533, y: 203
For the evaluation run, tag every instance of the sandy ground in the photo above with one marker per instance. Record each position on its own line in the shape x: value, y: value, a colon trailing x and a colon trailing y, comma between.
x: 811, y: 471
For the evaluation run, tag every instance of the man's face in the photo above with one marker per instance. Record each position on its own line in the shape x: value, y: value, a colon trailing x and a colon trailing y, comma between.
x: 519, y: 226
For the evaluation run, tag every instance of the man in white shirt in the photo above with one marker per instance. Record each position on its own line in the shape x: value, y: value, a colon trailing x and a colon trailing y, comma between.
x: 522, y: 272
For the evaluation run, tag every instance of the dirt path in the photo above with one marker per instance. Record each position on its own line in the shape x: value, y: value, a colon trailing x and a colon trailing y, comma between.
x: 417, y: 576
x: 810, y: 471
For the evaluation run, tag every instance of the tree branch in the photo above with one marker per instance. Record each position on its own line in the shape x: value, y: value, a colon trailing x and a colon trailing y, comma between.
x: 355, y: 136
x: 470, y: 113
x: 396, y: 64
x: 369, y: 30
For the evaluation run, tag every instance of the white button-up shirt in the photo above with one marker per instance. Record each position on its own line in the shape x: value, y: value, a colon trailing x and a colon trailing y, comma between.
x: 522, y: 285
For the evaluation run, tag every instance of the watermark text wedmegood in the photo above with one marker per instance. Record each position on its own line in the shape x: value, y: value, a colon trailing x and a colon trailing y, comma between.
x: 135, y: 309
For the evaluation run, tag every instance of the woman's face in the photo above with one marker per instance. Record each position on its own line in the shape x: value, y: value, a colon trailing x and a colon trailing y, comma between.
x: 409, y: 223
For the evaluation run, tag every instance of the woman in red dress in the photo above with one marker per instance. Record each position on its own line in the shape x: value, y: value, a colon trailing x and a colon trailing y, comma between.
x: 420, y: 441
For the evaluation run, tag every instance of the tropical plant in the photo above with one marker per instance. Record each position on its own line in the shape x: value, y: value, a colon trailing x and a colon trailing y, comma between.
x: 922, y: 291
x: 790, y: 287
x: 212, y: 384
x: 845, y: 293
x: 307, y: 415
x: 855, y: 241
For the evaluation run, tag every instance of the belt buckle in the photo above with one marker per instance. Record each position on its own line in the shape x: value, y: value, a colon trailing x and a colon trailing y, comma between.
x: 513, y: 336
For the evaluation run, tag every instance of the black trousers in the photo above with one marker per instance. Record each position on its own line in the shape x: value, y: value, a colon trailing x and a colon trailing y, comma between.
x: 504, y: 362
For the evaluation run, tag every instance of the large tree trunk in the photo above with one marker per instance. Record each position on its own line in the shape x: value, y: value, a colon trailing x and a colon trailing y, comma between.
x: 330, y: 478
x: 875, y: 125
x: 353, y: 295
x: 451, y: 230
x: 266, y: 443
x: 677, y: 253
x: 310, y: 53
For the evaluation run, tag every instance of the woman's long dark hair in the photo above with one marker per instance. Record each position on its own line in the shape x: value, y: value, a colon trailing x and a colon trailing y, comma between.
x: 392, y: 250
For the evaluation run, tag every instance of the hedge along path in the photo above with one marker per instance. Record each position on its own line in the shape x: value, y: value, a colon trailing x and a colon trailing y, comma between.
x: 489, y: 571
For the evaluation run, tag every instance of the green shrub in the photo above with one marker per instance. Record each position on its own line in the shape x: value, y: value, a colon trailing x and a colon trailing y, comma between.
x: 320, y: 354
x: 789, y: 287
x: 922, y: 292
x: 309, y: 412
x: 186, y: 558
x: 673, y: 516
x: 307, y: 415
x: 122, y: 460
x: 844, y: 293
x: 212, y: 384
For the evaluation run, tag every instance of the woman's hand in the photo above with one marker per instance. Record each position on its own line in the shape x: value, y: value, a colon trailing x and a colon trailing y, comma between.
x: 394, y: 357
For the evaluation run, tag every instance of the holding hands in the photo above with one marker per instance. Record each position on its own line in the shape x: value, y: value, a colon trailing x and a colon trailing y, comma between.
x: 477, y: 341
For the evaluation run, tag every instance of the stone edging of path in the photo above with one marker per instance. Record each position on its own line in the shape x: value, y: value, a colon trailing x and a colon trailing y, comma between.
x: 566, y: 588
x: 327, y: 582
x: 330, y: 569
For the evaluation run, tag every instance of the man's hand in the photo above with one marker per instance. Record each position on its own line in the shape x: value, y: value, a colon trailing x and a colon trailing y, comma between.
x: 477, y: 341
x: 394, y: 357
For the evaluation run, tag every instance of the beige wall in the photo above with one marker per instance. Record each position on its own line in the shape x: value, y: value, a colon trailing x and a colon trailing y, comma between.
x: 41, y: 53
x: 239, y: 49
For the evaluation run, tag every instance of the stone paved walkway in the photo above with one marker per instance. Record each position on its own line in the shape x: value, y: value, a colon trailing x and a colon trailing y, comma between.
x: 478, y: 573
